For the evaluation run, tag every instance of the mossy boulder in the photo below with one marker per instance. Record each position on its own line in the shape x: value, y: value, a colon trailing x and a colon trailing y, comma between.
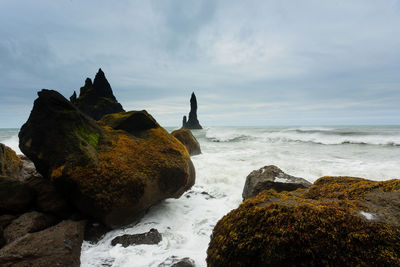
x: 110, y: 174
x: 96, y: 99
x: 10, y: 163
x: 186, y: 137
x: 337, y: 221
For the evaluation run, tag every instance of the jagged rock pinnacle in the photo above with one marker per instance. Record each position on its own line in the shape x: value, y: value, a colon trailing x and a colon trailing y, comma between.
x: 96, y: 98
x: 193, y: 122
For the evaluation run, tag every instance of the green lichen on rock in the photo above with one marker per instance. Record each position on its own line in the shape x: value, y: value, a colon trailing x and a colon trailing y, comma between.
x: 112, y: 170
x: 291, y: 229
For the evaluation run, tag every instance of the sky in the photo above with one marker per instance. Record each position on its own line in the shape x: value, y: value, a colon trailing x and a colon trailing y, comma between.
x: 250, y: 63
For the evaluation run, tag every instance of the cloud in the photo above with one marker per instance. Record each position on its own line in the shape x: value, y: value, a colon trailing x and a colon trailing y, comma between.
x: 264, y: 62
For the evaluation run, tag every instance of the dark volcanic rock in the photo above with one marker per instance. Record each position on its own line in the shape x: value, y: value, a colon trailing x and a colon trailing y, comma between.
x: 193, y: 122
x: 15, y: 196
x: 95, y: 231
x: 186, y: 137
x: 133, y: 122
x: 111, y: 175
x: 28, y: 223
x: 271, y: 177
x: 59, y: 245
x: 174, y: 261
x: 150, y: 238
x: 97, y: 99
x: 10, y: 163
x: 55, y: 131
x: 341, y: 221
x: 6, y: 219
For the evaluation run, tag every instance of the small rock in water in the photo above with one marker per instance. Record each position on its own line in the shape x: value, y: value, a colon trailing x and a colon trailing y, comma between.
x: 174, y: 261
x: 150, y: 238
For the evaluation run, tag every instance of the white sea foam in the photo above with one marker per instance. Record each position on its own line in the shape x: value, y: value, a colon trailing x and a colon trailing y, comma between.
x: 10, y: 139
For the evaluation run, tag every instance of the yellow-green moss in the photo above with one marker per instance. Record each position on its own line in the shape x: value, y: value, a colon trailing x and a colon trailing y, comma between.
x: 285, y: 230
x: 91, y: 138
x: 10, y: 163
x: 348, y: 187
x: 126, y: 164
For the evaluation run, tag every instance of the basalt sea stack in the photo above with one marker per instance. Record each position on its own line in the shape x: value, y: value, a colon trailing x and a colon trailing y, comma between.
x: 96, y: 99
x: 193, y: 122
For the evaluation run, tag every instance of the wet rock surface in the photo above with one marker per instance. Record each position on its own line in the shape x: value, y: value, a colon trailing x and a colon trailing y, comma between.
x: 186, y: 137
x: 271, y: 177
x: 152, y: 237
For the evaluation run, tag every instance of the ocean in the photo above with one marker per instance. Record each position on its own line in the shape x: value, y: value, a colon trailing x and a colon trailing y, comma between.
x: 229, y: 155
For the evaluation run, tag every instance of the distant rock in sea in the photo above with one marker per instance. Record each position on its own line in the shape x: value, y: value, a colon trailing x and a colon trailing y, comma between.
x: 186, y: 137
x: 193, y: 122
x: 96, y: 99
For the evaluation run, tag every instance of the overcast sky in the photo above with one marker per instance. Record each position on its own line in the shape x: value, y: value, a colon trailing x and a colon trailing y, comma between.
x: 308, y: 62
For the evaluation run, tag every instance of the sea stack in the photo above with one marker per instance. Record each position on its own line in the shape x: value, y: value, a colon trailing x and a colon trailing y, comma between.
x: 193, y: 122
x: 97, y: 99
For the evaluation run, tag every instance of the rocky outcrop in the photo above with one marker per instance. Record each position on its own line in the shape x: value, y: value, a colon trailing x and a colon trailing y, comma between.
x: 59, y: 245
x: 192, y: 122
x: 271, y: 177
x: 111, y: 171
x: 96, y: 99
x: 10, y: 163
x: 152, y: 237
x: 341, y: 220
x: 15, y: 196
x: 186, y: 137
x: 27, y: 223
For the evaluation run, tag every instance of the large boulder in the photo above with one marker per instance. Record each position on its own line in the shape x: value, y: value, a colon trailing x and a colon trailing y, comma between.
x: 97, y: 99
x: 186, y: 137
x: 271, y: 177
x: 59, y: 245
x: 337, y: 221
x: 111, y: 171
x: 28, y: 223
x: 10, y: 163
x: 15, y: 196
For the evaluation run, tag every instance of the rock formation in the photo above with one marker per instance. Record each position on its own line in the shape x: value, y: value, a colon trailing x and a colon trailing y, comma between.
x: 96, y: 99
x: 193, y: 122
x: 271, y: 177
x: 59, y: 245
x: 152, y: 237
x: 10, y: 163
x: 338, y: 220
x: 112, y: 170
x: 186, y: 137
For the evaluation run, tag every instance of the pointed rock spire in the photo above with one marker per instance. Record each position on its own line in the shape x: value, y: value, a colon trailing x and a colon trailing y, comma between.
x: 96, y: 98
x: 193, y: 122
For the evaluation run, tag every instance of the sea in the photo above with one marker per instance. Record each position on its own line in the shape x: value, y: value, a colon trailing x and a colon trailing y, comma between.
x: 229, y: 154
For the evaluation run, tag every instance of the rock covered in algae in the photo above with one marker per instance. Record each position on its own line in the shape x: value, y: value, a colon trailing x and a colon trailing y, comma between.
x: 186, y: 137
x: 10, y: 163
x: 337, y: 221
x: 96, y: 99
x: 107, y: 170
